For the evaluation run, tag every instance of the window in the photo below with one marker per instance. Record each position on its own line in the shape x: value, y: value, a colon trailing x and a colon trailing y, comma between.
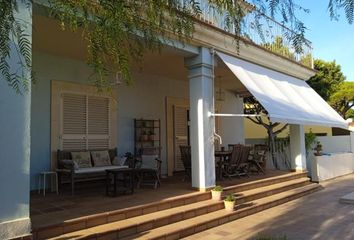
x: 84, y: 122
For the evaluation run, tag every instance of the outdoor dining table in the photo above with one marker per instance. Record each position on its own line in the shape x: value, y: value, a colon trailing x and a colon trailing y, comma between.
x: 223, y: 156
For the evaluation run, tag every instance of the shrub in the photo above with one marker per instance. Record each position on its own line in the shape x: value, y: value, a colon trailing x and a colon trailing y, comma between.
x: 217, y: 188
x: 230, y: 198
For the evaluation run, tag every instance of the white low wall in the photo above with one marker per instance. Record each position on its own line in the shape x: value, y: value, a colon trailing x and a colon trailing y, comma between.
x: 336, y: 144
x: 332, y: 166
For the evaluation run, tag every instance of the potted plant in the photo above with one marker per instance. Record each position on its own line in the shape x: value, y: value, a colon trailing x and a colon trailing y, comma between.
x: 216, y: 193
x: 229, y: 202
x: 318, y: 149
x: 144, y: 136
x: 310, y: 139
x: 151, y: 135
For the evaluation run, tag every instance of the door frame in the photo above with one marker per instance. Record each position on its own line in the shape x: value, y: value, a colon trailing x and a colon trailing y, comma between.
x: 170, y: 103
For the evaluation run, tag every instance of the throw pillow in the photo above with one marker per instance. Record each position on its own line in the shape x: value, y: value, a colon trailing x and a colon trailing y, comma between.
x: 100, y: 158
x: 68, y: 163
x: 119, y: 161
x: 82, y: 159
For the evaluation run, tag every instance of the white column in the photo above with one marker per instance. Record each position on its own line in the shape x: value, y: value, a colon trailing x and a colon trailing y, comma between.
x: 232, y: 128
x: 297, y: 147
x: 202, y: 125
x: 352, y: 141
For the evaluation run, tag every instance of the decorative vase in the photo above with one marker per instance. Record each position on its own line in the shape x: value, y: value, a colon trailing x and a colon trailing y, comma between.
x: 229, y: 205
x: 216, y: 195
x: 144, y: 137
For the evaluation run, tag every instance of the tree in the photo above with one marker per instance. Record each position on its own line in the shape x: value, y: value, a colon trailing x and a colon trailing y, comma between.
x: 12, y: 29
x: 110, y: 28
x: 252, y: 106
x: 328, y: 78
x: 343, y: 99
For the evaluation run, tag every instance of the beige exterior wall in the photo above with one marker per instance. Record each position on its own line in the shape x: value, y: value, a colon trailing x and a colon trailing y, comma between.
x: 254, y: 131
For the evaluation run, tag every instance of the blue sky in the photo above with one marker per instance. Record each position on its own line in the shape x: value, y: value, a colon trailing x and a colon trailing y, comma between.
x: 332, y: 40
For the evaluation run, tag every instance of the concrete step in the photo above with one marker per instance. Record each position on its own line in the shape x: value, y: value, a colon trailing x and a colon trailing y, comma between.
x: 160, y: 218
x: 200, y: 223
x: 86, y: 222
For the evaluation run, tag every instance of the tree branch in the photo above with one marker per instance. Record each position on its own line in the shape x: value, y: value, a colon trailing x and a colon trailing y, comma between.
x: 254, y: 121
x: 281, y: 129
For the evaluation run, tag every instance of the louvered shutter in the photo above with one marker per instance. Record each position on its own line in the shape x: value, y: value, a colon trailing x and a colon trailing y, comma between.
x: 85, y: 122
x: 180, y: 134
x: 98, y: 122
x: 74, y: 122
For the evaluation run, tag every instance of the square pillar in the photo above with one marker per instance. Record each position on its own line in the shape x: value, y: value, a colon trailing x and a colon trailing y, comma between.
x: 297, y: 147
x: 201, y: 125
x: 352, y: 142
x: 15, y: 117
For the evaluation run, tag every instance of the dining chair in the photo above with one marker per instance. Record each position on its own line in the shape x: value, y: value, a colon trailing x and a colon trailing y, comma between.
x: 234, y: 161
x: 186, y: 160
x: 258, y: 159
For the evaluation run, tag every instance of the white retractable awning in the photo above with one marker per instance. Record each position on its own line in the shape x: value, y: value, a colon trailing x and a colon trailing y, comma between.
x: 286, y: 98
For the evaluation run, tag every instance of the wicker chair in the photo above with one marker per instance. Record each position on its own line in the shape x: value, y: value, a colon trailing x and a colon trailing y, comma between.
x: 187, y: 161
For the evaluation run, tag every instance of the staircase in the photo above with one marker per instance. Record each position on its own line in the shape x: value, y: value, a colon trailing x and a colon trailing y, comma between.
x: 184, y: 215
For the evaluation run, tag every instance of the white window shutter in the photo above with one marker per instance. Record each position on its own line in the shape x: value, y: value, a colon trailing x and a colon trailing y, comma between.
x: 74, y: 114
x: 98, y: 115
x: 85, y: 122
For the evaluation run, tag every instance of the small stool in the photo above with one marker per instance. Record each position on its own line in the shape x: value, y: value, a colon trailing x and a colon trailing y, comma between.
x: 44, y: 174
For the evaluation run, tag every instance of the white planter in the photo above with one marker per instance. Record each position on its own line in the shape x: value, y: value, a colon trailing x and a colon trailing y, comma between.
x: 229, y: 206
x: 216, y: 195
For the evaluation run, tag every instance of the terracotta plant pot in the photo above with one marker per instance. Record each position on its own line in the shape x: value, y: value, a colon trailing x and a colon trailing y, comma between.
x: 216, y: 195
x: 229, y: 205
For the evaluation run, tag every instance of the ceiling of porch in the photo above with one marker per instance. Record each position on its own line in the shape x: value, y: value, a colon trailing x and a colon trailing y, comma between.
x: 49, y: 38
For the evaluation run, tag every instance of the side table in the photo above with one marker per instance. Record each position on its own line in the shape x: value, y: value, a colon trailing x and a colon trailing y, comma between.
x: 43, y: 175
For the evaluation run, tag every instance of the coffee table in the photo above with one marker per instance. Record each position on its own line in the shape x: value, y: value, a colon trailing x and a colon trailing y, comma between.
x: 125, y: 175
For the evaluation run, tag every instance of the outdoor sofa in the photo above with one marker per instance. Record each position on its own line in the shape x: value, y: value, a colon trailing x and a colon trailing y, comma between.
x: 84, y: 165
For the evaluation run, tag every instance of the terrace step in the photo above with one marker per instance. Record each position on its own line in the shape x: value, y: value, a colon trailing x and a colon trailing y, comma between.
x: 200, y: 223
x: 160, y: 218
x: 73, y: 225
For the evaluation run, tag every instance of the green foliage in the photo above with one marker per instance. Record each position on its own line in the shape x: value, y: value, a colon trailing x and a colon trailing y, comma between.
x: 346, y: 5
x: 217, y: 188
x: 15, y: 43
x: 342, y: 100
x: 310, y: 139
x: 110, y: 29
x: 350, y: 113
x: 327, y: 79
x: 306, y: 60
x: 230, y: 198
x: 279, y: 47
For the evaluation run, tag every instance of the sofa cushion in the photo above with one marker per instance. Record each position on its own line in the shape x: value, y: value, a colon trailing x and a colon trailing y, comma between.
x: 82, y: 159
x: 100, y: 158
x: 98, y: 169
x: 149, y: 161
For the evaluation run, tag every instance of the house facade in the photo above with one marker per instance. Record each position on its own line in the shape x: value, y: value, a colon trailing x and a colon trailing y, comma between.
x: 177, y: 86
